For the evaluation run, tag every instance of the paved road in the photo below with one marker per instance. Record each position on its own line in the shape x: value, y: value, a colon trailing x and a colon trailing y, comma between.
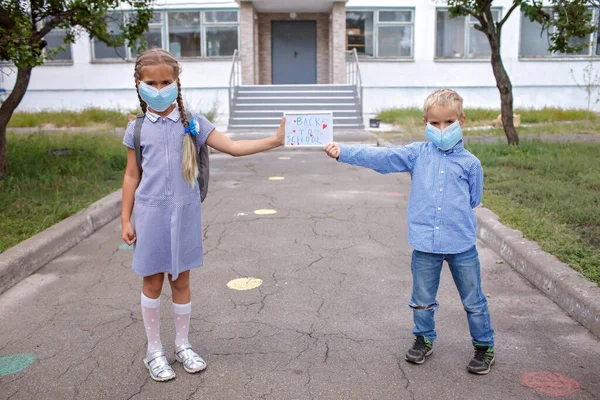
x: 330, y: 320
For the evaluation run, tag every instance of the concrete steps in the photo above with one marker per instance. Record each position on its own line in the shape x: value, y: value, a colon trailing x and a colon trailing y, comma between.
x: 262, y: 106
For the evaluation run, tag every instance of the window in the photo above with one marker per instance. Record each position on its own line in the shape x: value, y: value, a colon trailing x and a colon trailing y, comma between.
x: 114, y: 21
x: 154, y: 34
x: 381, y: 33
x: 457, y: 37
x: 359, y: 32
x: 214, y: 35
x: 54, y: 39
x: 535, y: 41
x: 186, y: 34
x: 221, y: 32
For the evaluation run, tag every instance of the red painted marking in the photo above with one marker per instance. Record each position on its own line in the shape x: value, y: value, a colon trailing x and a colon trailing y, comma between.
x: 294, y: 121
x: 311, y: 135
x: 395, y: 195
x: 291, y: 144
x: 294, y: 131
x: 324, y: 126
x: 551, y: 383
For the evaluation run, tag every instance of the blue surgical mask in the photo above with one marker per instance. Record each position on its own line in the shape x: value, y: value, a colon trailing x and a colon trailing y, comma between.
x: 446, y: 139
x: 158, y: 100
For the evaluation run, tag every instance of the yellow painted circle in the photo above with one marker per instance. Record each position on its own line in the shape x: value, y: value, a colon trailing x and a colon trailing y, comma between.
x: 265, y: 212
x: 244, y: 283
x: 284, y: 158
x: 276, y: 178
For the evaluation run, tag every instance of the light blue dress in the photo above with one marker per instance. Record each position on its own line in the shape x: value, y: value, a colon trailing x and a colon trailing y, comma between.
x: 167, y: 213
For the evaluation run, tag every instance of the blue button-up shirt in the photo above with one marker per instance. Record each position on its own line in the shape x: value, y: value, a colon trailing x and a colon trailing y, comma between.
x: 446, y: 186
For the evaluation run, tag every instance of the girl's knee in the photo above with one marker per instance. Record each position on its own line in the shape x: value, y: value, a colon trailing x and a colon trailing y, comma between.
x: 181, y: 284
x: 152, y: 286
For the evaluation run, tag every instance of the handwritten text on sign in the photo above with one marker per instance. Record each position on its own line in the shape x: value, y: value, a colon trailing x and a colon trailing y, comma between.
x: 308, y: 130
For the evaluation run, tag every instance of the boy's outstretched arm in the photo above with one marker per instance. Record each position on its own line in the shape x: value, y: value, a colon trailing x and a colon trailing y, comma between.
x: 381, y: 159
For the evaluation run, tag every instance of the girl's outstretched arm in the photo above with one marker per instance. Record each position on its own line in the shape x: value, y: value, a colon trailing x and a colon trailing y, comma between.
x: 130, y: 184
x: 222, y: 143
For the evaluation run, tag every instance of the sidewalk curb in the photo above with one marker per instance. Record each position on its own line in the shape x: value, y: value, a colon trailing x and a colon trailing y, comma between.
x: 25, y: 258
x: 578, y: 296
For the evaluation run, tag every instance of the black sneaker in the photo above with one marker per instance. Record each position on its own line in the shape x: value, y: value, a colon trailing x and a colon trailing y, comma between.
x: 421, y: 349
x: 482, y: 360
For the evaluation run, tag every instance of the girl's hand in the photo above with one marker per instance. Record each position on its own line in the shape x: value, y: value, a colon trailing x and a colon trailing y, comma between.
x: 280, y: 136
x: 127, y: 233
x: 332, y: 150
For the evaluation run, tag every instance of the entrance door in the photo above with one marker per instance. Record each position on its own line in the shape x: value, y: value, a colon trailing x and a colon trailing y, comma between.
x: 294, y: 47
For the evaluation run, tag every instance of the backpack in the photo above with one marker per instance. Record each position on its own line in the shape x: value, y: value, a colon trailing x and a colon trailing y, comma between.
x: 201, y: 158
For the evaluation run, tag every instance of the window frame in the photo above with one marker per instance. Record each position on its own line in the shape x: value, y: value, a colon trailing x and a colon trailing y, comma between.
x: 467, y: 26
x: 68, y: 46
x: 377, y: 24
x: 111, y: 59
x: 224, y: 24
x: 554, y: 56
x: 164, y: 31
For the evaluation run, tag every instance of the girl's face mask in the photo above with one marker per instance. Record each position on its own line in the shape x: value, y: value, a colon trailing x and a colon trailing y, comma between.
x: 446, y: 139
x: 158, y: 100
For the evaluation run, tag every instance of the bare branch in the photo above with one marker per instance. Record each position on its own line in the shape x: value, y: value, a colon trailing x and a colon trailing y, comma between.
x: 509, y: 12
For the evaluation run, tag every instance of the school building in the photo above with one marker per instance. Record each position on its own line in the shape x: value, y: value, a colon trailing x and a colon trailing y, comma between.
x: 257, y: 58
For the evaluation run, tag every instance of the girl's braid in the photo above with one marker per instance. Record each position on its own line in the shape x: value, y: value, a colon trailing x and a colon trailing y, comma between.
x: 189, y: 157
x: 184, y: 119
x: 143, y: 104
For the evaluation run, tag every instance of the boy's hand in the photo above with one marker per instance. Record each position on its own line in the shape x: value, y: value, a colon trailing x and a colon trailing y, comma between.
x: 127, y: 234
x: 332, y: 150
x: 280, y: 136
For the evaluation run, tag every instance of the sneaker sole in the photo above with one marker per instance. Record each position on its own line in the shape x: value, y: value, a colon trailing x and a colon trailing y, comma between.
x: 487, y: 371
x: 421, y: 361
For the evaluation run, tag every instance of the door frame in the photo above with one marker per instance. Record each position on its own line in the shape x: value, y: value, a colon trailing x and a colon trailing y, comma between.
x: 314, y: 23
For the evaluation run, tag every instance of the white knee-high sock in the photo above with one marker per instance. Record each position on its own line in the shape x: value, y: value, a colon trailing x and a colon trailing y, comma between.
x: 182, y: 322
x: 151, y: 316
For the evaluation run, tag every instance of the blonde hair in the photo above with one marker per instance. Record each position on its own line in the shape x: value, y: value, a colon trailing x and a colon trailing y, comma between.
x: 156, y: 56
x: 444, y: 98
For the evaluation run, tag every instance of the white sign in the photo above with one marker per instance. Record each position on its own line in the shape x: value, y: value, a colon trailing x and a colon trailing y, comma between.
x: 308, y: 130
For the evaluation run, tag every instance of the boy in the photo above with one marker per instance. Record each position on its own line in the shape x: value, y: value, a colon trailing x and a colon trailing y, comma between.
x: 447, y: 183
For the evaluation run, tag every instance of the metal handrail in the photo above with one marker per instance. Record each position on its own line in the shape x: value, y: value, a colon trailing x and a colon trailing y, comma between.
x: 234, y: 77
x: 353, y: 75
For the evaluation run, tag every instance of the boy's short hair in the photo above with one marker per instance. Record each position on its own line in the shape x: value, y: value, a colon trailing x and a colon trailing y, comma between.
x: 445, y: 98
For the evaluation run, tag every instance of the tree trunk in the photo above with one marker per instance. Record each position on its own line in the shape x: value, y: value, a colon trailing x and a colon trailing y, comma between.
x: 6, y: 112
x: 505, y: 88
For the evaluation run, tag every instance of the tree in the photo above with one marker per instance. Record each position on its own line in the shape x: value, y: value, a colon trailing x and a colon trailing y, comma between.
x: 565, y: 20
x: 25, y: 23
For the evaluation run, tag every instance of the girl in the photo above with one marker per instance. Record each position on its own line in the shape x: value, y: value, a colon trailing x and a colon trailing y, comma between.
x: 167, y: 229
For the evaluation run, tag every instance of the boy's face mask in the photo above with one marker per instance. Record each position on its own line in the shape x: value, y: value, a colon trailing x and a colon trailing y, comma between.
x: 445, y: 140
x: 158, y: 100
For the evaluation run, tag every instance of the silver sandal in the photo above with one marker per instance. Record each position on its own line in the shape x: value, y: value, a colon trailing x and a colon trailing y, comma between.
x: 191, y: 361
x: 159, y: 367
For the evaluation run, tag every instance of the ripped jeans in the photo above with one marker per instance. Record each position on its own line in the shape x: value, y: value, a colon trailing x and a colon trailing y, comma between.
x: 465, y: 269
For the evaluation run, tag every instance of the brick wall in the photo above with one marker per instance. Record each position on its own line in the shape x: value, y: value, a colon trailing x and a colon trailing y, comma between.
x: 338, y: 42
x: 247, y: 49
x: 264, y: 45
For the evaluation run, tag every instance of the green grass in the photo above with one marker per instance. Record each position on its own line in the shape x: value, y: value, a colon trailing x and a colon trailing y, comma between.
x: 67, y: 119
x: 482, y: 116
x: 43, y: 189
x: 89, y: 117
x: 576, y: 127
x: 550, y: 192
